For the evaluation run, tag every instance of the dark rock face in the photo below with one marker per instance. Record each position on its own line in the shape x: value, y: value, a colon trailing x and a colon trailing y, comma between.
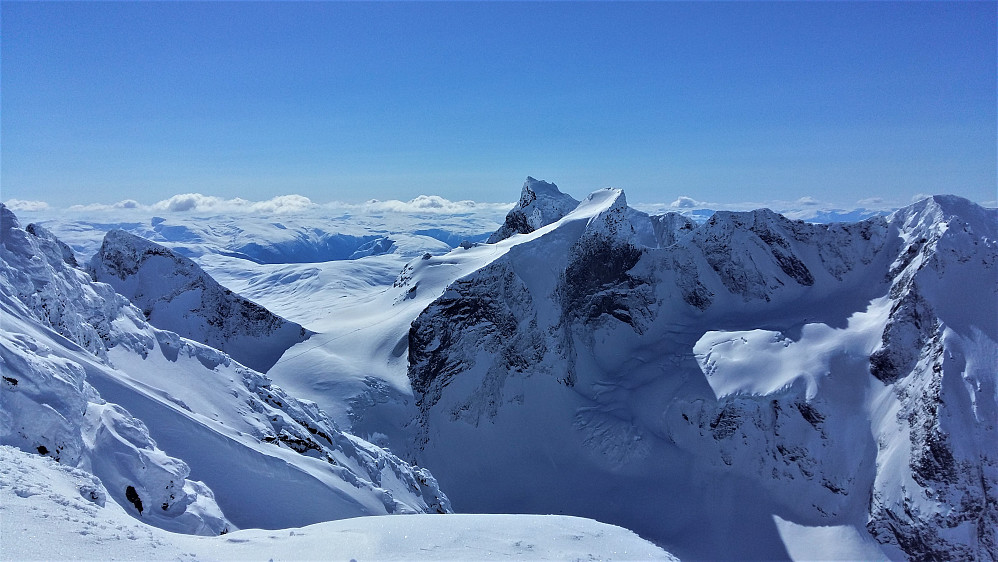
x: 596, y: 281
x: 132, y: 496
x: 493, y: 312
x: 912, y: 324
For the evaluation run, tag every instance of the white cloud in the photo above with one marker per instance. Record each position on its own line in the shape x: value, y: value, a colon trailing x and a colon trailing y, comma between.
x: 872, y: 202
x: 126, y: 204
x: 426, y: 204
x: 199, y: 203
x: 22, y: 205
x: 283, y: 204
x: 195, y: 202
x: 684, y: 202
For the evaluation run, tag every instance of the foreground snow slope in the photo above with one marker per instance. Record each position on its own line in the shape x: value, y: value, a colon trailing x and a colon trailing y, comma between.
x: 44, y: 517
x: 70, y: 343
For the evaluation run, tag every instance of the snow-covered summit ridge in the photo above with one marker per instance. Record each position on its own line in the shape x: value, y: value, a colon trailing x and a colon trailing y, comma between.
x: 541, y: 203
x: 175, y: 294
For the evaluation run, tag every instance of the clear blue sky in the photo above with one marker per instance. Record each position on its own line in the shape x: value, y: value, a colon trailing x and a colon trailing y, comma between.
x: 351, y: 101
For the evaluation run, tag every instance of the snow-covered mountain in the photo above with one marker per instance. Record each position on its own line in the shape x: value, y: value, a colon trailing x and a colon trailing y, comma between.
x: 175, y: 294
x: 90, y: 383
x: 304, y: 237
x: 752, y: 376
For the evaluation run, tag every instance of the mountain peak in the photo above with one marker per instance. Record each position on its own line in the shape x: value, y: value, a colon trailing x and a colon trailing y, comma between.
x: 177, y: 295
x: 541, y: 203
x: 931, y: 213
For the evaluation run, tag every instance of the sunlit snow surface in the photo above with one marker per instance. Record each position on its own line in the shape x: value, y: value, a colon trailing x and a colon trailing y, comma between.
x: 764, y: 361
x: 44, y: 517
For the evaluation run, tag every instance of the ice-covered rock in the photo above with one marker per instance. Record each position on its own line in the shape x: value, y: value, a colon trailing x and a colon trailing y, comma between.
x: 69, y: 343
x: 50, y: 408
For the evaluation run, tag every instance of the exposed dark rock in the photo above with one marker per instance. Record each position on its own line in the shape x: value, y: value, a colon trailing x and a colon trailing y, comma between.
x: 132, y: 496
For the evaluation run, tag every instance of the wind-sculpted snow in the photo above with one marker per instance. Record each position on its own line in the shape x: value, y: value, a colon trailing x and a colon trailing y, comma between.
x: 175, y: 294
x: 48, y: 405
x: 836, y: 377
x: 69, y: 344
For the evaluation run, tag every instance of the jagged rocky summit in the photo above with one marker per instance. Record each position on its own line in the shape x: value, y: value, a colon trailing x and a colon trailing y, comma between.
x: 540, y: 203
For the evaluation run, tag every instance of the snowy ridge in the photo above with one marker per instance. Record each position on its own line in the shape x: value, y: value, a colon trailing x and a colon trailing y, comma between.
x: 198, y: 404
x: 636, y: 355
x: 175, y: 294
x: 936, y: 360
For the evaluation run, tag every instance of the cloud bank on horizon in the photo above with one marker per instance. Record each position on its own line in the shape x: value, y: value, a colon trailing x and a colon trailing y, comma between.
x: 805, y: 208
x: 198, y: 203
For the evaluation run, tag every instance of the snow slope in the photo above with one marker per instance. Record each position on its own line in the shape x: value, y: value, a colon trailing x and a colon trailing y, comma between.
x: 44, y: 517
x: 70, y: 344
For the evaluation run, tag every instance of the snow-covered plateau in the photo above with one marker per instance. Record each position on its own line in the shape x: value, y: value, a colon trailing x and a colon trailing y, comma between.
x: 743, y: 386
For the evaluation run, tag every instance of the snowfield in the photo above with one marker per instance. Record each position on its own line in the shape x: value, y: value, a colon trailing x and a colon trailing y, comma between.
x: 44, y: 517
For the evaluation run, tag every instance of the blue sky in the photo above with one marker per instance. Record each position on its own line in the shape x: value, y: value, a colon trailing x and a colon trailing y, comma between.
x: 718, y: 101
